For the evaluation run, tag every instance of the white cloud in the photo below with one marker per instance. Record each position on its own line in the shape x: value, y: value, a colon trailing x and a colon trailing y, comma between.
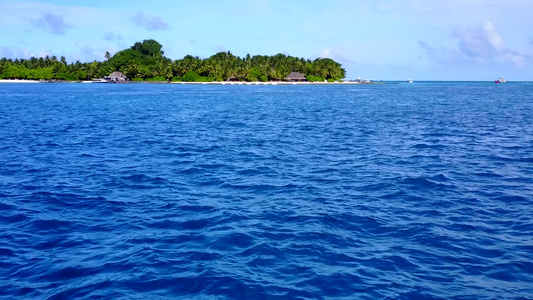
x: 336, y: 53
x: 43, y: 54
x: 518, y: 60
x: 150, y: 23
x: 53, y: 23
x: 111, y: 36
x: 480, y: 45
x: 481, y: 42
x: 14, y: 52
x: 442, y: 55
x: 18, y: 13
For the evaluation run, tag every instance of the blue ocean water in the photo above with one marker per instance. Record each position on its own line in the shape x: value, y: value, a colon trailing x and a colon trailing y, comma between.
x: 397, y: 191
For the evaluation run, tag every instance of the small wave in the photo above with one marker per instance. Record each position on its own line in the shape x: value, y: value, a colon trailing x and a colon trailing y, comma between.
x: 423, y: 183
x: 440, y: 178
x: 249, y: 172
x: 196, y: 224
x: 428, y: 146
x: 192, y: 170
x: 67, y: 273
x: 487, y: 174
x: 63, y: 200
x: 5, y: 206
x: 257, y: 188
x: 17, y: 218
x: 140, y: 178
x: 138, y: 181
x: 52, y: 225
x: 233, y: 241
x: 7, y: 252
x: 514, y: 199
x: 196, y: 208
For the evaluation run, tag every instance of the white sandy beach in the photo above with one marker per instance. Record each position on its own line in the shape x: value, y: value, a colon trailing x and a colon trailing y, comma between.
x: 210, y: 83
x: 272, y: 83
x: 18, y: 81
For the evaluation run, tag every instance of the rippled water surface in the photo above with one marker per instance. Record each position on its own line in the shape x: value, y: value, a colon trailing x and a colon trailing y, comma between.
x: 266, y: 192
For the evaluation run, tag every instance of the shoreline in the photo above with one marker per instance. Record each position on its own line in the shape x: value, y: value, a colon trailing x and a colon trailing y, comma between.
x: 19, y: 81
x: 194, y: 83
x: 273, y: 83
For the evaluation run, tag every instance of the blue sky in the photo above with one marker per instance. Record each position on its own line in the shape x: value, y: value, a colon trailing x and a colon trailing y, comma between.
x: 418, y: 39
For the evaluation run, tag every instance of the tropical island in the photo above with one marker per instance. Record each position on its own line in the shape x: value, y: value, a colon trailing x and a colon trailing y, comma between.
x: 145, y: 61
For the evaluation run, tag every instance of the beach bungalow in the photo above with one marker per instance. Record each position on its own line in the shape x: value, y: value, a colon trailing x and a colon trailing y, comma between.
x: 359, y: 80
x: 295, y: 77
x: 116, y: 77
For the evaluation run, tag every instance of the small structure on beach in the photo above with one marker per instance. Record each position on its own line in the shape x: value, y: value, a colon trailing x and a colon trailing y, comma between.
x: 359, y: 80
x: 116, y: 77
x: 295, y: 77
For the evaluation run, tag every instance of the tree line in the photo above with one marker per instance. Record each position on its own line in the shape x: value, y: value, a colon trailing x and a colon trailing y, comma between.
x: 146, y: 61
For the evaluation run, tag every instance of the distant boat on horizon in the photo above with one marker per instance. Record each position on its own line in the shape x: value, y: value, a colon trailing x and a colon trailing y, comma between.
x: 409, y: 81
x: 500, y: 80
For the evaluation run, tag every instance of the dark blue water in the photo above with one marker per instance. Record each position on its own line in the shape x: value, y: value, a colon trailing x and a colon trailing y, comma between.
x: 266, y: 192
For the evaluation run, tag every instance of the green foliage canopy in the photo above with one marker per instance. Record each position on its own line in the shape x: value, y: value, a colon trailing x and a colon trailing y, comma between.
x: 146, y: 61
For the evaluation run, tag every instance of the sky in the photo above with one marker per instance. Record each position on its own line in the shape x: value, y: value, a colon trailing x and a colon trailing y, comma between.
x: 379, y: 40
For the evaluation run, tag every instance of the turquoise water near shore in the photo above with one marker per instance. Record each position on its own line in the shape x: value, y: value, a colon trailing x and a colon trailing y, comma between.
x: 420, y: 190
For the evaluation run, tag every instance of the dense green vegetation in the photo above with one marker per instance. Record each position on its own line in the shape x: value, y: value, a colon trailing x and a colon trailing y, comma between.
x: 146, y: 61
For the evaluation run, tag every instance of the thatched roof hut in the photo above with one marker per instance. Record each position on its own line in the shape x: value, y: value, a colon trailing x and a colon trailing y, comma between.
x: 116, y: 76
x: 295, y: 76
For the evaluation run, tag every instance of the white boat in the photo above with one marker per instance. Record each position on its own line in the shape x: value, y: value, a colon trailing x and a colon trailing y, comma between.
x: 409, y: 81
x: 99, y: 80
x: 500, y: 80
